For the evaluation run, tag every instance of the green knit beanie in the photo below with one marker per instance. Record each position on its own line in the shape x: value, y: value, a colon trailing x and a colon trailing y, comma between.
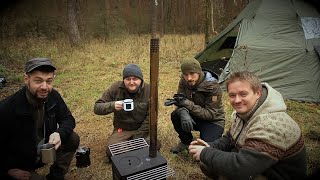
x: 191, y: 65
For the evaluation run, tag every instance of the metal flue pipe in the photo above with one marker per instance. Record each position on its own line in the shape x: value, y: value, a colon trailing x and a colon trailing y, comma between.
x: 154, y: 73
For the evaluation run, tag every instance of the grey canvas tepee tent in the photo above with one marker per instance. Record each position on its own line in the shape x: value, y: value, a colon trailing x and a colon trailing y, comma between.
x: 275, y: 39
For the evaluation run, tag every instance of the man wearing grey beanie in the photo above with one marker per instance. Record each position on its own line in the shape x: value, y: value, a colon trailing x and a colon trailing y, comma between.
x: 202, y: 108
x: 129, y: 101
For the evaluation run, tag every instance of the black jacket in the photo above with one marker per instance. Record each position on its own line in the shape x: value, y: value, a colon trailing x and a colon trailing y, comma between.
x: 17, y: 131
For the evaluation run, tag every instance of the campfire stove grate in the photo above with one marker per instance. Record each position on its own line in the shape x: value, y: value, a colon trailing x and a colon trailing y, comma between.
x: 127, y: 146
x: 157, y: 173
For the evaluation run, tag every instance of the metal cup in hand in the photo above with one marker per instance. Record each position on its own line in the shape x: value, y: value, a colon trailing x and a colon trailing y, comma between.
x: 128, y: 105
x: 48, y: 153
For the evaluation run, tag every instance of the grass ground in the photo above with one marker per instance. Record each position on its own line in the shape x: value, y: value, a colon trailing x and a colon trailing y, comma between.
x: 84, y: 73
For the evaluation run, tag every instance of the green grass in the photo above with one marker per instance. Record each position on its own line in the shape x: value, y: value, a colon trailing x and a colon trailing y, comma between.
x: 84, y: 73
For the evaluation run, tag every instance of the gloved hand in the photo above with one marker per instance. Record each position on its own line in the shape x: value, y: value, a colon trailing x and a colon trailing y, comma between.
x: 186, y: 120
x: 185, y: 103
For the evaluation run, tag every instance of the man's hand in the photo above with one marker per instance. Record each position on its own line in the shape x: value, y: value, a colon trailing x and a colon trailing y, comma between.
x: 200, y: 142
x: 118, y: 105
x: 185, y: 103
x: 19, y: 174
x: 186, y: 120
x: 54, y: 138
x: 196, y: 147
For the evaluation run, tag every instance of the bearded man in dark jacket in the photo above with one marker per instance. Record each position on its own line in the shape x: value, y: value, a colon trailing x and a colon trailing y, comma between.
x: 34, y: 115
x: 202, y: 109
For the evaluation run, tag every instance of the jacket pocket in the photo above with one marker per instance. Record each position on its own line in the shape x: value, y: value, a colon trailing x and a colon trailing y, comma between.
x: 51, y: 122
x: 142, y: 111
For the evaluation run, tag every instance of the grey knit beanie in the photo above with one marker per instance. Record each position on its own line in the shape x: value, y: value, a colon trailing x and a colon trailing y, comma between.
x: 132, y: 70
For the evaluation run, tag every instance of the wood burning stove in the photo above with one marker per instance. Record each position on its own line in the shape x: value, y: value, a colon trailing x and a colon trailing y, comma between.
x: 130, y: 160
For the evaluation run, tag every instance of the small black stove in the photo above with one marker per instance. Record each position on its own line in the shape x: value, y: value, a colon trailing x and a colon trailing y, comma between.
x: 138, y: 165
x: 131, y: 160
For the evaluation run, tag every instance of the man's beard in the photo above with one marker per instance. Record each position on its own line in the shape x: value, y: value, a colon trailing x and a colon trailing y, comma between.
x: 191, y: 83
x: 34, y: 94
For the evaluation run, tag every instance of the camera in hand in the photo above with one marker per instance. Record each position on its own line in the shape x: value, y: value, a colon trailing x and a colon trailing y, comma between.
x: 177, y: 98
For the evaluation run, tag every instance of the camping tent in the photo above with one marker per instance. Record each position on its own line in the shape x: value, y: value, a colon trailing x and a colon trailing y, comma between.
x: 275, y: 39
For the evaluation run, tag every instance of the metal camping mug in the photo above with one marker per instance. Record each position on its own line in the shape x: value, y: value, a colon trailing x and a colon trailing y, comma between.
x: 128, y: 105
x: 48, y: 153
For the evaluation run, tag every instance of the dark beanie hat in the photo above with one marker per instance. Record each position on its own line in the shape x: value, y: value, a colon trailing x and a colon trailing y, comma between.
x: 132, y: 70
x: 191, y: 65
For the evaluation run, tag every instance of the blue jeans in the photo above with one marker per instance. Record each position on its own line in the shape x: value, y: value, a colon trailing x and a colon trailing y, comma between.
x: 209, y: 132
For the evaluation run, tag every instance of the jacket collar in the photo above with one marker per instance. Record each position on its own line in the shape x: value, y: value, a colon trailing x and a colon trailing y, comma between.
x: 24, y: 107
x: 33, y: 100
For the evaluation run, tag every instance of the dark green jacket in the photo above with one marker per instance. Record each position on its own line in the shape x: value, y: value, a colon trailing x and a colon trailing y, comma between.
x: 137, y: 119
x: 206, y: 98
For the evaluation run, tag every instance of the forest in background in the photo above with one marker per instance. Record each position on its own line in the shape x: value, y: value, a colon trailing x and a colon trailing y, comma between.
x: 116, y: 32
x: 108, y: 18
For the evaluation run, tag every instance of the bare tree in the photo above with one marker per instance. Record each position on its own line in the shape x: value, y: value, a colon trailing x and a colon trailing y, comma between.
x: 162, y: 23
x: 208, y: 21
x: 154, y: 19
x: 74, y: 34
x: 8, y: 24
x: 215, y: 18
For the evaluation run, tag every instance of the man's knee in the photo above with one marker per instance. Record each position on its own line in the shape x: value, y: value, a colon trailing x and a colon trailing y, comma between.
x: 72, y: 143
x: 206, y: 171
x: 175, y: 118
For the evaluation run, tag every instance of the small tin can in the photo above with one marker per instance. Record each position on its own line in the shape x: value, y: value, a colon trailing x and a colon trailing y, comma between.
x: 83, y: 157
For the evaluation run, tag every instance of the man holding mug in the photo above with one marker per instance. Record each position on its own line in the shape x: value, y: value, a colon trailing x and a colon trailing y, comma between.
x: 129, y: 101
x: 263, y: 141
x: 33, y: 116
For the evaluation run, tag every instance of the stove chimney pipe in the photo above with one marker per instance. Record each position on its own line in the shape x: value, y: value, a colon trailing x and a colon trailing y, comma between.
x: 153, y: 114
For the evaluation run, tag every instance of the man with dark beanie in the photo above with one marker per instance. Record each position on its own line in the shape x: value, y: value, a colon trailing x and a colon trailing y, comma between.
x: 128, y: 123
x: 202, y: 110
x: 35, y: 115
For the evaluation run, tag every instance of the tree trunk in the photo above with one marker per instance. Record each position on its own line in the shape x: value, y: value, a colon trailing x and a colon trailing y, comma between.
x: 105, y: 20
x: 161, y: 18
x: 221, y: 18
x: 154, y: 19
x: 11, y: 24
x: 74, y: 34
x: 207, y: 24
